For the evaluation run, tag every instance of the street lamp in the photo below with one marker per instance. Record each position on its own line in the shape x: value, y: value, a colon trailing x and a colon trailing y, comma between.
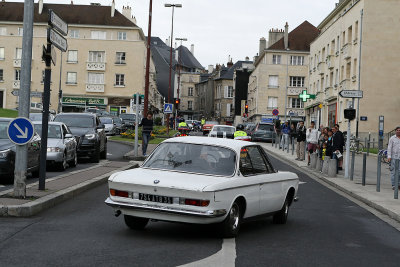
x: 170, y: 56
x: 179, y: 68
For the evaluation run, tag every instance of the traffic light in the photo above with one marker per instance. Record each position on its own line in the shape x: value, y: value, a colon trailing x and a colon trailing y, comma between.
x: 350, y: 113
x: 177, y: 100
x: 246, y: 109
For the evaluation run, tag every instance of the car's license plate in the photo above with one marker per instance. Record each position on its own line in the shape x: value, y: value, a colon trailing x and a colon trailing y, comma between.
x: 155, y: 198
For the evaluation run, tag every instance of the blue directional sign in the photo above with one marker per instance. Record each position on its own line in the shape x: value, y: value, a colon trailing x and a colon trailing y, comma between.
x: 168, y: 108
x: 20, y: 131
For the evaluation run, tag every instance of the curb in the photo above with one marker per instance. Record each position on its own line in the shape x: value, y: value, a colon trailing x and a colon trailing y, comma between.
x: 46, y: 202
x: 318, y: 177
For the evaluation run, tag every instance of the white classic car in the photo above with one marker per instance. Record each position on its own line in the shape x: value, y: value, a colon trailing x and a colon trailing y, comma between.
x: 203, y: 181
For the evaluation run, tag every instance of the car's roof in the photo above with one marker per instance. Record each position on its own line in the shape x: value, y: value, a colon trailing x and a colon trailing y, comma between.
x: 223, y: 125
x: 77, y: 114
x: 230, y: 143
x: 50, y: 122
x: 6, y: 119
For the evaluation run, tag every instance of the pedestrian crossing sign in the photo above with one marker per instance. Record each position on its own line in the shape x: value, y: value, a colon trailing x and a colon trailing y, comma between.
x: 167, y: 108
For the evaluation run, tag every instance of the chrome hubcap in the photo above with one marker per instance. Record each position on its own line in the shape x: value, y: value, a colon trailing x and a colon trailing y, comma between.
x: 234, y: 216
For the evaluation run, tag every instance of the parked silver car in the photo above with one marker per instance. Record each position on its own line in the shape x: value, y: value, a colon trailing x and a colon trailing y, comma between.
x: 61, y: 145
x: 110, y: 127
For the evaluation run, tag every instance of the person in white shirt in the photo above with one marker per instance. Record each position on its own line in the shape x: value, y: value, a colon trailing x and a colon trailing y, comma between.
x: 312, y: 139
x: 393, y: 153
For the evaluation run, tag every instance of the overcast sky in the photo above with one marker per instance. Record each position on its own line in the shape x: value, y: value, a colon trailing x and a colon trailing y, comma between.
x: 221, y: 28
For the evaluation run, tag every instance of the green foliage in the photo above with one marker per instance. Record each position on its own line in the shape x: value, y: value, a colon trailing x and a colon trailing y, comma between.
x: 8, y: 113
x: 157, y: 121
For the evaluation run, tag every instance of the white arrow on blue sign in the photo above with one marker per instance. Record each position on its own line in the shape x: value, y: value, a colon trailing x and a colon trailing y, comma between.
x: 20, y: 131
x: 168, y: 108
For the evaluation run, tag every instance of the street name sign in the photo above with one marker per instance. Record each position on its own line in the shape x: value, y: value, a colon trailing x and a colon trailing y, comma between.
x: 20, y: 131
x: 32, y: 94
x: 168, y: 108
x: 351, y: 93
x: 57, y: 40
x: 56, y: 22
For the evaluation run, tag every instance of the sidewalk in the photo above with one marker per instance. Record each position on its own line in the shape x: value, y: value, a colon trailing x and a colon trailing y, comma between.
x: 59, y: 189
x: 382, y: 201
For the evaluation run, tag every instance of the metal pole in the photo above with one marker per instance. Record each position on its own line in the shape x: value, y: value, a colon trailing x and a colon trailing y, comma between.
x: 396, y: 178
x: 135, y: 149
x: 346, y: 171
x: 353, y: 157
x: 287, y: 76
x: 45, y: 119
x: 292, y: 146
x: 378, y: 174
x: 369, y: 143
x: 364, y: 171
x: 21, y: 157
x: 170, y: 65
x: 59, y: 87
x: 146, y: 87
x: 359, y: 71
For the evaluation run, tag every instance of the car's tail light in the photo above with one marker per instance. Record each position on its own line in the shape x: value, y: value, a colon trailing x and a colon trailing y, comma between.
x: 197, y: 202
x: 118, y: 193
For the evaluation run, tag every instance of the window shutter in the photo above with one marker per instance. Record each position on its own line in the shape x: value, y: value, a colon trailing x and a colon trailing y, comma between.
x: 225, y: 91
x: 228, y: 110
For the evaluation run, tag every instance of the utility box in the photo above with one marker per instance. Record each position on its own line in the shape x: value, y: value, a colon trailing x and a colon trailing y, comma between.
x: 350, y: 113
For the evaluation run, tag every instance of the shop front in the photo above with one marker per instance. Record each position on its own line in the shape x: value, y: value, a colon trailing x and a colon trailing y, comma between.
x: 332, y: 114
x: 118, y: 105
x: 80, y: 104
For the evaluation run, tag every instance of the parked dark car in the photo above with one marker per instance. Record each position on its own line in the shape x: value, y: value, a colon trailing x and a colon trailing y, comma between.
x: 263, y: 132
x: 129, y: 119
x: 7, y: 154
x: 249, y: 129
x: 120, y: 126
x: 92, y: 137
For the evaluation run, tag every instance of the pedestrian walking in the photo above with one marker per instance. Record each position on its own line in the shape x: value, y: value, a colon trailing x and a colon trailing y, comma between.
x: 393, y: 153
x: 301, y: 138
x: 338, y: 144
x: 312, y: 140
x: 147, y: 128
x: 285, y: 135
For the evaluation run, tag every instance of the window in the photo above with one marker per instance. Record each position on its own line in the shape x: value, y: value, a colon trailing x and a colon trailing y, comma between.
x: 228, y: 91
x: 72, y: 56
x: 276, y: 59
x: 1, y: 75
x: 349, y: 34
x: 120, y: 58
x: 74, y: 33
x: 296, y: 60
x: 190, y: 105
x: 272, y: 102
x: 98, y: 35
x: 296, y: 81
x: 96, y: 56
x: 20, y: 31
x: 295, y: 103
x: 121, y: 36
x: 120, y: 79
x: 252, y: 162
x: 1, y: 53
x: 71, y: 78
x: 3, y: 31
x: 18, y: 53
x: 218, y: 93
x: 356, y: 31
x: 17, y: 76
x: 273, y: 81
x: 190, y: 91
x: 95, y: 78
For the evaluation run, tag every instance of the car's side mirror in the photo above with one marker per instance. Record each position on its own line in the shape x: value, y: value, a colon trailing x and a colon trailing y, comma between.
x: 68, y: 135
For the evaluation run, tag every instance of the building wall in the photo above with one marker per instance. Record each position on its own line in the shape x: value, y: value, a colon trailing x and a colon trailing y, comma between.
x: 188, y: 80
x: 221, y: 102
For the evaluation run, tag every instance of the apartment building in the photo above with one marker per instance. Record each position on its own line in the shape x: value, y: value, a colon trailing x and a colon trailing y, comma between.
x: 103, y: 66
x: 281, y: 74
x: 368, y: 27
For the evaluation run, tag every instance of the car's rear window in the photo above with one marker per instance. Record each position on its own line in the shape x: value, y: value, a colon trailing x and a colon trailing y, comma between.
x: 211, y: 122
x: 204, y: 159
x: 106, y: 120
x: 265, y: 127
x: 76, y: 121
x: 130, y: 117
x: 223, y: 129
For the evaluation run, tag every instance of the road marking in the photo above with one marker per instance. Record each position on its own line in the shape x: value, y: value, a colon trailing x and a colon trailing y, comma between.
x: 225, y: 257
x: 302, y: 182
x: 109, y: 154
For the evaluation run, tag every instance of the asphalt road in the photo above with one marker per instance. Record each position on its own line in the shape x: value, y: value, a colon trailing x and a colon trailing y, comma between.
x: 115, y: 152
x: 323, y: 229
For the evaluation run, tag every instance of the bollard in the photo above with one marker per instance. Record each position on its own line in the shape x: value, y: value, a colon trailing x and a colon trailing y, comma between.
x: 332, y: 168
x: 378, y: 174
x: 325, y: 165
x: 396, y: 178
x: 305, y: 151
x: 373, y: 142
x: 313, y: 160
x: 353, y: 158
x: 276, y: 136
x: 364, y: 170
x: 318, y: 166
x: 272, y: 140
x: 292, y: 146
x: 365, y: 142
x: 369, y: 143
x: 288, y: 143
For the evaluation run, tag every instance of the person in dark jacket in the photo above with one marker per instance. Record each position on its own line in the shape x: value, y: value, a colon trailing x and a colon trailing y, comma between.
x: 338, y: 143
x: 301, y: 138
x: 147, y: 124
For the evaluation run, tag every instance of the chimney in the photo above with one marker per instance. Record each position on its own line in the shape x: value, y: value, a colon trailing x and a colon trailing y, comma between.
x: 72, y: 2
x: 263, y: 45
x: 177, y: 54
x: 210, y: 68
x: 127, y: 12
x: 274, y: 35
x: 247, y: 58
x: 230, y: 63
x: 40, y: 6
x: 112, y: 8
x: 192, y: 49
x: 286, y: 36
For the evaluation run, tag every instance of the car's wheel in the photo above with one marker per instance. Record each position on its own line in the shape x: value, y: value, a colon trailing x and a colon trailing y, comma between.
x: 62, y: 166
x: 96, y: 155
x: 231, y: 224
x: 74, y: 161
x: 103, y: 154
x: 135, y: 223
x: 281, y: 216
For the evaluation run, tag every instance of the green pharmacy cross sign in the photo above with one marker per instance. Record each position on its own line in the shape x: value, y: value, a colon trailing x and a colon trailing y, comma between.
x: 304, y: 96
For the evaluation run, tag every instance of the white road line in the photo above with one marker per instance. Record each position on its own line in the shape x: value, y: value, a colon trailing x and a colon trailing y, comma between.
x: 2, y: 185
x: 109, y: 154
x: 225, y: 257
x: 302, y: 182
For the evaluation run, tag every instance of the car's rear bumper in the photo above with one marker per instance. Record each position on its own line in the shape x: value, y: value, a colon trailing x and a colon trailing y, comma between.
x: 155, y: 211
x: 54, y: 156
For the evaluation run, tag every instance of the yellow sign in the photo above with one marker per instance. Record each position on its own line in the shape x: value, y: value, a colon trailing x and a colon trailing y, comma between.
x: 320, y: 105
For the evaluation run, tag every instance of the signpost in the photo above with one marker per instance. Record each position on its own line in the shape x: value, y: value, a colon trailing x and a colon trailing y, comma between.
x: 20, y: 131
x: 351, y: 93
x: 168, y: 108
x: 54, y: 38
x: 305, y: 96
x: 275, y: 112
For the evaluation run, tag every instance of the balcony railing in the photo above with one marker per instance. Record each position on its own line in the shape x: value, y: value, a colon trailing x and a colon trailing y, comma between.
x: 330, y: 62
x: 96, y: 66
x: 295, y: 112
x: 17, y: 63
x: 321, y: 68
x: 329, y: 93
x: 271, y: 108
x: 346, y: 50
x: 295, y: 90
x: 345, y: 84
x: 94, y: 88
x: 16, y: 84
x: 270, y: 86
